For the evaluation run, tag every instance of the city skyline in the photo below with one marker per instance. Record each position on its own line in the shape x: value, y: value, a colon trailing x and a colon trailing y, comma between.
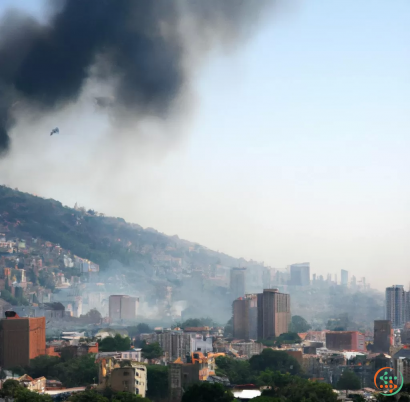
x: 317, y: 138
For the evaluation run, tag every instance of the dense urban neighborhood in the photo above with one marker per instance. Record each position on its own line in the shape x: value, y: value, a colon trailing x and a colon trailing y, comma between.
x: 158, y: 317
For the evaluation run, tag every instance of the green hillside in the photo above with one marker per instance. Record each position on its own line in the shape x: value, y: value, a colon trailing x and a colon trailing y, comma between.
x: 93, y: 236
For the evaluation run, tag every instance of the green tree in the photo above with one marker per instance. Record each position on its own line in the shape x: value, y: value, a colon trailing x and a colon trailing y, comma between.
x: 115, y: 344
x: 299, y: 324
x: 275, y: 360
x: 143, y: 328
x: 348, y: 380
x: 206, y: 392
x: 88, y: 396
x: 42, y: 366
x: 92, y: 317
x: 295, y: 389
x: 8, y: 297
x: 238, y: 371
x: 46, y: 279
x: 128, y: 397
x: 77, y: 372
x: 24, y: 395
x: 157, y: 378
x: 196, y: 322
x: 266, y: 399
x: 18, y: 370
x: 10, y: 388
x: 151, y: 350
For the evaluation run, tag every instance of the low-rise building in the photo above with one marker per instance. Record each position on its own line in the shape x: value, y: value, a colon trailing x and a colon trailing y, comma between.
x: 401, y: 363
x: 122, y: 376
x: 345, y: 340
x: 34, y: 385
x: 181, y: 376
x: 247, y: 349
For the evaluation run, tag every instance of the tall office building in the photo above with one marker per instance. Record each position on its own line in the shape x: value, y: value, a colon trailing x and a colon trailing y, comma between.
x: 237, y: 283
x: 396, y: 305
x: 300, y: 274
x: 344, y: 277
x: 273, y: 313
x: 383, y: 336
x: 245, y: 317
x: 123, y: 308
x: 21, y: 339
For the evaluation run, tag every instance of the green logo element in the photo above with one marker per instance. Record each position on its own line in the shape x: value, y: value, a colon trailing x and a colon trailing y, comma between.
x: 389, y: 385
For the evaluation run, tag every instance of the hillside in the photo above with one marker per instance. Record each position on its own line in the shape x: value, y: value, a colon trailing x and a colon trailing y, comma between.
x: 96, y: 237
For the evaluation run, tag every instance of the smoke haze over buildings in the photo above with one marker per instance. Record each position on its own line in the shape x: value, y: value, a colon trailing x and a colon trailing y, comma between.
x: 143, y: 50
x: 293, y: 148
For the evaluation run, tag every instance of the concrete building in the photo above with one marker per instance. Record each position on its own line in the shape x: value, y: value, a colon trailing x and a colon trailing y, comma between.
x: 273, y: 313
x: 405, y: 334
x: 201, y: 344
x: 122, y: 376
x: 21, y: 339
x: 131, y: 378
x: 123, y: 308
x: 344, y: 277
x: 181, y: 376
x: 245, y: 317
x: 401, y: 363
x: 383, y: 336
x: 396, y: 305
x: 175, y: 344
x: 345, y: 341
x: 237, y: 283
x: 247, y: 349
x: 300, y: 274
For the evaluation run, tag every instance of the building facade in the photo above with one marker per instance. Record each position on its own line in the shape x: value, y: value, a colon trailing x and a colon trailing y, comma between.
x: 396, y: 302
x: 237, y: 283
x: 345, y: 341
x: 175, y: 344
x: 21, y: 339
x: 300, y: 274
x: 123, y: 308
x: 245, y: 317
x: 122, y: 376
x: 344, y: 277
x: 132, y: 378
x: 181, y: 376
x: 383, y: 336
x: 273, y: 313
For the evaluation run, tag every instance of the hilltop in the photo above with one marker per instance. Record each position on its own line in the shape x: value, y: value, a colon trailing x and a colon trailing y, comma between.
x: 101, y: 239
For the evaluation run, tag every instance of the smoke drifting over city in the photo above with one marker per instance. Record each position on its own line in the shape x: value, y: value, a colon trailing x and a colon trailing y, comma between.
x: 139, y: 48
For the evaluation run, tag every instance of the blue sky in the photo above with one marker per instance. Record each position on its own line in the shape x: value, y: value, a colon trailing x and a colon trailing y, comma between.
x: 297, y: 151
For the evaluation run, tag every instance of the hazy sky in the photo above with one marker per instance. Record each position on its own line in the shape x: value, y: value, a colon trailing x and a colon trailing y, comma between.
x: 298, y: 148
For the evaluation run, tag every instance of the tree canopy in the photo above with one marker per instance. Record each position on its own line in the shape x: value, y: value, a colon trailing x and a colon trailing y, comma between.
x: 13, y: 389
x: 73, y: 372
x: 157, y: 378
x: 348, y: 380
x: 206, y: 392
x: 151, y: 350
x: 114, y: 344
x: 298, y: 324
x: 88, y: 396
x: 275, y: 360
x: 289, y: 388
x: 196, y: 322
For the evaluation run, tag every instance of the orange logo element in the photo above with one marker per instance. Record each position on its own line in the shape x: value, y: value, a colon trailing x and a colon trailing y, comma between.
x: 387, y: 382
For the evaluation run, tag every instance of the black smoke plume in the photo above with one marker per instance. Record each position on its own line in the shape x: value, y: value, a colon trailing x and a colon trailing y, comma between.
x: 138, y: 44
